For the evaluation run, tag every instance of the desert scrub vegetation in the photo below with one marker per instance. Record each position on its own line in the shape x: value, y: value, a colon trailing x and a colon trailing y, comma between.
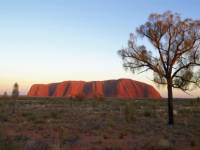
x: 30, y: 116
x: 68, y: 137
x: 129, y: 112
x: 100, y: 98
x: 79, y: 97
x: 61, y: 124
x: 8, y: 104
x: 7, y: 143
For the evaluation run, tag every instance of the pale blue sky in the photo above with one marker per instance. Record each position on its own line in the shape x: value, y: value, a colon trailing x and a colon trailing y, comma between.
x: 44, y: 41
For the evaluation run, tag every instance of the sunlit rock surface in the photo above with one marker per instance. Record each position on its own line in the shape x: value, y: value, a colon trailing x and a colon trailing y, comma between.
x: 121, y: 88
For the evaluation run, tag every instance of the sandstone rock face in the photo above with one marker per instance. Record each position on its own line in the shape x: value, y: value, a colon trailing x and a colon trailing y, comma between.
x: 121, y: 88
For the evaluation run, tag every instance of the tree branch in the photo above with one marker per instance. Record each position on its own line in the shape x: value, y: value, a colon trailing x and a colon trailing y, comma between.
x: 185, y: 66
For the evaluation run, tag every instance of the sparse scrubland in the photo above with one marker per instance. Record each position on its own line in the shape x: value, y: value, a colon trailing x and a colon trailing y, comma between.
x: 101, y: 124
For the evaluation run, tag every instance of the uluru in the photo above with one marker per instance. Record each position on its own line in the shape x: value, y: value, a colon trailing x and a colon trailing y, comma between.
x: 121, y: 88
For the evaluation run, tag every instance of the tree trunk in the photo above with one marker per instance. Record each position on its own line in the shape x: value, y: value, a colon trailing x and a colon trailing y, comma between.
x: 170, y: 103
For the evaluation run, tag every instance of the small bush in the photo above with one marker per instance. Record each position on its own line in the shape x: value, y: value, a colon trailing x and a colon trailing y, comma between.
x: 5, y: 106
x: 158, y: 144
x: 164, y: 144
x: 192, y: 143
x: 12, y: 146
x: 54, y: 115
x: 37, y: 145
x: 21, y: 138
x: 122, y: 135
x: 6, y: 143
x: 110, y: 122
x: 147, y: 113
x: 198, y: 100
x: 129, y: 112
x: 100, y: 98
x: 55, y: 147
x: 67, y: 137
x: 79, y: 97
x: 112, y: 146
x: 29, y: 116
x: 3, y: 117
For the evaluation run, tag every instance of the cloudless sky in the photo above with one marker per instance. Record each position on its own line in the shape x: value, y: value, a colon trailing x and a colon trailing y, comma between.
x: 44, y: 41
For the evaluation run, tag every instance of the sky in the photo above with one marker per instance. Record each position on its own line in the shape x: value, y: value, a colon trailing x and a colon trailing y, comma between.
x: 45, y: 41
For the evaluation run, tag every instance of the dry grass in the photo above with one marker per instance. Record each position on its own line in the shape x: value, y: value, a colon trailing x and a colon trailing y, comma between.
x: 105, y: 124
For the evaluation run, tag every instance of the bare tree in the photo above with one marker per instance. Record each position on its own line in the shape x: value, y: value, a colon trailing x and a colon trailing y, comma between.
x: 175, y: 57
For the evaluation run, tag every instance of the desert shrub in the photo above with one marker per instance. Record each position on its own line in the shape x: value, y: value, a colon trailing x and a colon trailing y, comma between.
x: 193, y: 143
x: 21, y: 138
x: 4, y: 110
x: 1, y: 138
x: 112, y: 146
x: 55, y: 147
x: 37, y: 145
x: 93, y: 148
x: 79, y: 97
x: 147, y: 113
x: 185, y: 111
x: 193, y: 102
x: 54, y: 115
x: 70, y: 98
x: 12, y: 146
x: 154, y: 143
x: 68, y: 137
x: 7, y: 144
x: 129, y: 112
x: 4, y: 106
x: 4, y: 116
x: 42, y: 102
x: 198, y: 98
x: 29, y: 116
x: 99, y: 98
x: 122, y: 135
x: 110, y: 122
x: 164, y: 144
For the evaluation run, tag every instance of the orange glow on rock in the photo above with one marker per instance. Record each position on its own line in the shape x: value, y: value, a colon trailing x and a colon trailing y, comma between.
x: 122, y: 88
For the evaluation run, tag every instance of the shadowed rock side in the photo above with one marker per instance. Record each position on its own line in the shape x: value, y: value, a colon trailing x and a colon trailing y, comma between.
x: 122, y: 88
